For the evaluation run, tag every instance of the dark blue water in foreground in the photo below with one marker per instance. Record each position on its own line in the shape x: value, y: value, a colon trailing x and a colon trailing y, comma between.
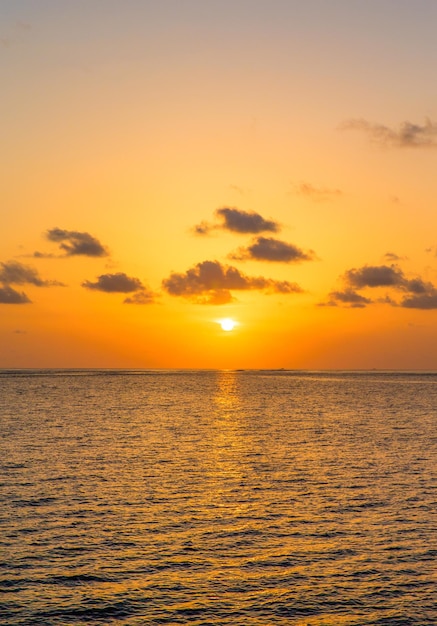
x: 216, y: 498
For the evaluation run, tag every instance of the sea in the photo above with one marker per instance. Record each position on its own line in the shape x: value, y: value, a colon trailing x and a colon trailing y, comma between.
x: 148, y: 497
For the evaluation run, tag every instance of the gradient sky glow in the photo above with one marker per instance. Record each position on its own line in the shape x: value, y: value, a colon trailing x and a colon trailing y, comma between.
x: 166, y: 164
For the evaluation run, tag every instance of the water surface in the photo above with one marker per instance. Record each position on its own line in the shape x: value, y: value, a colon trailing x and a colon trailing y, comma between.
x: 216, y: 498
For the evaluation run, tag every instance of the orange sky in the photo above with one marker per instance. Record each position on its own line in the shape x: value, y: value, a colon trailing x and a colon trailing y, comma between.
x: 169, y: 164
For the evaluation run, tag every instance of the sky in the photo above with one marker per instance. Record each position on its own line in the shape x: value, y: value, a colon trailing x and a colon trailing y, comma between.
x: 167, y: 164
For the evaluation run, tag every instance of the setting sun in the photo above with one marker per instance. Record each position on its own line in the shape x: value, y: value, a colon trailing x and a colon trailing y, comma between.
x: 227, y: 324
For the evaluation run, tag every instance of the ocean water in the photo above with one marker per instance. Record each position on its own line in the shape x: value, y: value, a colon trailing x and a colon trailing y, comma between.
x: 219, y: 497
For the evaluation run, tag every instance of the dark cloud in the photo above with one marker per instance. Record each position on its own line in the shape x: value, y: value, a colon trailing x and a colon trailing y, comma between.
x: 375, y: 276
x: 74, y: 243
x: 10, y: 296
x: 418, y: 286
x: 269, y: 249
x: 417, y: 293
x: 115, y: 283
x: 237, y: 221
x: 245, y: 222
x: 408, y: 135
x: 210, y: 282
x: 386, y: 276
x: 348, y: 296
x: 426, y: 300
x: 14, y: 273
x: 141, y: 297
x: 319, y: 194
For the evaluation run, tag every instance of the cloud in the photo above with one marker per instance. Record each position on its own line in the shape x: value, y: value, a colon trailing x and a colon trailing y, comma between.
x: 204, y: 228
x: 15, y: 273
x: 74, y: 243
x: 8, y: 295
x: 426, y: 300
x: 417, y: 293
x: 391, y: 256
x: 237, y: 221
x: 115, y: 283
x: 245, y: 222
x: 408, y: 135
x: 210, y: 282
x: 238, y: 189
x: 42, y: 255
x: 318, y: 194
x: 348, y: 296
x: 144, y: 296
x: 269, y: 249
x: 375, y: 276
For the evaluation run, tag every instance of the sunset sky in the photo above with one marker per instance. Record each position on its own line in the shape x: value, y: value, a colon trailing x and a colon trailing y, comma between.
x: 166, y: 164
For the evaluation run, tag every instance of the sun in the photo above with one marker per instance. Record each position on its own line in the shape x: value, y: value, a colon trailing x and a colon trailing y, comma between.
x: 227, y: 324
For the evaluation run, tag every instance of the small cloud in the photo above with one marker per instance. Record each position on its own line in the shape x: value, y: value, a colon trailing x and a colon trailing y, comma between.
x: 204, y: 228
x: 141, y: 297
x: 18, y: 331
x: 115, y: 283
x: 375, y: 276
x: 14, y: 273
x: 210, y: 282
x: 348, y: 296
x: 74, y: 243
x: 237, y: 221
x: 408, y: 135
x: 239, y: 190
x: 318, y: 194
x: 8, y: 295
x: 274, y: 250
x: 391, y: 256
x: 432, y: 250
x: 43, y: 255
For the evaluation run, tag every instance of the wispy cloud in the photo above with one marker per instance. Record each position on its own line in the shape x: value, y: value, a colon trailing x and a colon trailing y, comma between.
x: 75, y: 243
x: 407, y: 135
x: 15, y: 273
x: 347, y: 297
x: 392, y: 256
x: 145, y: 296
x: 273, y: 250
x: 317, y: 194
x: 210, y: 282
x: 238, y: 189
x: 237, y: 221
x: 8, y: 295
